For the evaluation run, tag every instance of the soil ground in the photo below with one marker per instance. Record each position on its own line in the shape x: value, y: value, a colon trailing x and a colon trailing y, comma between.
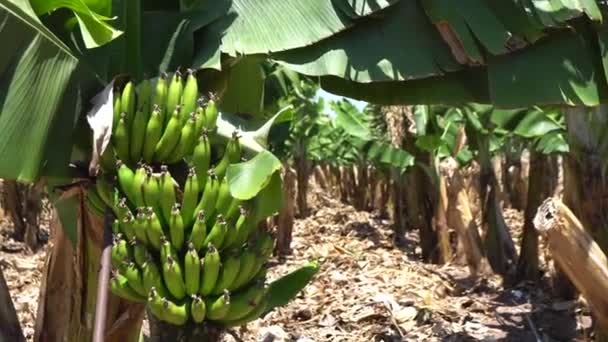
x: 367, y: 289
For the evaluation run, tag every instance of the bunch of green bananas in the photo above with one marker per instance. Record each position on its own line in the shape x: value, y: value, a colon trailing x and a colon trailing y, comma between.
x: 160, y: 122
x: 187, y: 248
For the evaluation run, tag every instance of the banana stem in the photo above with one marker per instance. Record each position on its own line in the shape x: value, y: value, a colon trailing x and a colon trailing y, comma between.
x: 104, y: 278
x: 132, y: 27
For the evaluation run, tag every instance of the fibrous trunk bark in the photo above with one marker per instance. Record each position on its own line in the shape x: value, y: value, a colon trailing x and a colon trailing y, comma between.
x: 542, y: 184
x: 397, y: 196
x: 420, y: 211
x: 575, y: 250
x: 303, y: 175
x: 585, y: 188
x: 440, y: 222
x: 10, y: 329
x: 360, y: 191
x: 498, y: 243
x: 69, y: 286
x: 286, y: 215
x: 320, y: 177
x: 23, y: 202
x: 461, y: 218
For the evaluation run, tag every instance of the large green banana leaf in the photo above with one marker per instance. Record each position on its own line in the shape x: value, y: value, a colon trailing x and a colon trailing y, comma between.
x: 262, y: 27
x: 42, y: 91
x: 510, y: 53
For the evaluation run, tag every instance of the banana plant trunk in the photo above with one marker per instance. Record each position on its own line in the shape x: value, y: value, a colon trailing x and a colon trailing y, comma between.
x: 303, y: 175
x: 320, y: 177
x: 360, y: 189
x: 420, y: 211
x: 585, y: 188
x: 23, y: 202
x: 542, y: 184
x: 10, y: 329
x: 440, y: 221
x: 285, y: 218
x: 66, y: 308
x: 499, y: 246
x: 163, y: 332
x: 396, y: 184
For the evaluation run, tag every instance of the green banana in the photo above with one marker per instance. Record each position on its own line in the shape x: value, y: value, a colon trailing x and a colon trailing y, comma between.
x: 258, y: 266
x: 190, y: 197
x: 233, y: 209
x: 187, y: 140
x: 152, y: 277
x: 174, y: 93
x: 166, y: 249
x: 138, y: 183
x: 192, y: 266
x: 169, y: 139
x: 104, y: 190
x: 133, y: 275
x: 265, y: 244
x: 228, y: 273
x: 247, y: 263
x: 140, y: 253
x: 223, y: 197
x: 211, y: 112
x: 144, y: 97
x: 117, y: 111
x: 201, y: 158
x: 245, y: 301
x: 154, y: 131
x: 155, y: 229
x: 155, y: 303
x: 198, y: 310
x: 211, y: 269
x: 138, y: 133
x: 261, y: 274
x: 126, y: 180
x: 116, y: 227
x: 128, y: 102
x: 199, y: 231
x: 121, y: 138
x: 176, y: 314
x: 207, y: 202
x: 174, y: 278
x: 201, y: 122
x: 244, y: 226
x: 119, y: 285
x: 167, y: 193
x: 189, y: 96
x: 232, y: 154
x: 151, y: 190
x: 127, y: 226
x: 176, y: 227
x: 217, y: 308
x: 230, y: 237
x: 107, y: 161
x: 160, y: 97
x: 217, y: 233
x: 120, y: 250
x: 140, y: 226
x: 95, y: 201
x: 251, y: 316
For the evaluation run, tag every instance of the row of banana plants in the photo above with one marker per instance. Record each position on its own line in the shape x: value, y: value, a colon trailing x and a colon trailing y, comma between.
x: 424, y: 171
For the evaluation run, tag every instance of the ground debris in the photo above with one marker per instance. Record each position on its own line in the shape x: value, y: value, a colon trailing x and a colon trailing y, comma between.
x: 370, y: 290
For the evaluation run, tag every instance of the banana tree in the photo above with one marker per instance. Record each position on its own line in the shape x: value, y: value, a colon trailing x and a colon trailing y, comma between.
x: 66, y: 52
